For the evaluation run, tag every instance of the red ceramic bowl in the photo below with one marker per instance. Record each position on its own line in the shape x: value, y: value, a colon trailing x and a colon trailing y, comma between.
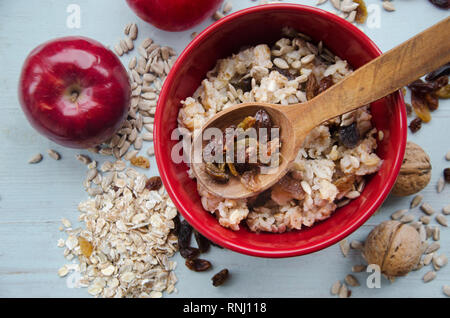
x: 263, y: 24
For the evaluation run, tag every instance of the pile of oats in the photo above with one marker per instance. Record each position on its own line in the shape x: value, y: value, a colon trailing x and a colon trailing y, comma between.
x: 125, y: 247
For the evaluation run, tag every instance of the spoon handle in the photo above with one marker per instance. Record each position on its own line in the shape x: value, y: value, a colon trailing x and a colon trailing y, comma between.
x: 387, y: 73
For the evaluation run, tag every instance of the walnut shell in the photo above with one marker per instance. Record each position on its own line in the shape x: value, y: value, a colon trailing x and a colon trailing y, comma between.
x: 395, y: 247
x: 415, y: 172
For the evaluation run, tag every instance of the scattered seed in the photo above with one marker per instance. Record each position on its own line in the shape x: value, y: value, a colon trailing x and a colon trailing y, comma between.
x: 335, y: 288
x: 407, y: 218
x: 446, y: 290
x: 398, y: 214
x: 218, y: 15
x: 442, y: 220
x: 352, y: 280
x: 436, y: 233
x: 388, y: 6
x: 422, y: 233
x: 118, y: 49
x: 132, y: 63
x: 446, y: 209
x: 227, y: 7
x: 428, y: 277
x: 440, y: 185
x: 35, y: 159
x: 416, y: 225
x: 425, y: 207
x: 54, y: 154
x: 147, y: 136
x: 124, y: 46
x: 343, y: 291
x: 356, y: 245
x: 427, y: 259
x: 146, y: 43
x: 447, y: 156
x: 344, y: 247
x: 441, y: 261
x: 84, y: 159
x: 150, y: 151
x: 352, y: 195
x: 126, y: 31
x: 133, y: 31
x: 416, y: 201
x: 432, y: 248
x: 425, y: 219
x: 129, y: 43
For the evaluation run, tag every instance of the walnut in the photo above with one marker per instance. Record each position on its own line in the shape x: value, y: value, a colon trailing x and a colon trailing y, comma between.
x: 395, y: 247
x: 415, y: 172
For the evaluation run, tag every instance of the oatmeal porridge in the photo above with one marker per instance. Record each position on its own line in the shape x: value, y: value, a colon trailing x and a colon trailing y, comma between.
x: 330, y: 167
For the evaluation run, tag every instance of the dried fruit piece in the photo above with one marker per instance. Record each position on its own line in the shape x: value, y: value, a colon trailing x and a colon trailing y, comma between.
x: 361, y: 12
x: 217, y: 174
x: 409, y: 109
x: 443, y: 92
x: 415, y: 124
x: 420, y: 106
x: 349, y: 135
x: 85, y: 246
x: 443, y: 4
x: 140, y: 162
x: 420, y: 86
x: 247, y: 123
x: 153, y: 183
x: 447, y: 174
x: 432, y: 101
x: 176, y: 225
x: 184, y: 235
x: 202, y: 242
x: 189, y: 252
x: 311, y: 87
x: 198, y: 264
x: 325, y: 83
x: 220, y: 278
x: 262, y: 120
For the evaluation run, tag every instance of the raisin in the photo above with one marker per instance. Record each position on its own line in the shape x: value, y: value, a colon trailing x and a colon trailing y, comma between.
x: 216, y: 173
x: 420, y: 105
x: 325, y: 83
x: 85, y: 247
x: 415, y: 124
x: 442, y: 71
x: 361, y: 12
x: 176, y: 225
x: 420, y: 86
x: 198, y: 264
x: 447, y: 174
x: 349, y: 135
x: 140, y: 162
x: 311, y: 87
x: 443, y: 4
x: 189, y: 252
x: 432, y: 101
x: 443, y: 92
x: 245, y: 84
x: 220, y: 278
x: 285, y: 73
x: 184, y: 235
x: 202, y: 242
x: 154, y: 183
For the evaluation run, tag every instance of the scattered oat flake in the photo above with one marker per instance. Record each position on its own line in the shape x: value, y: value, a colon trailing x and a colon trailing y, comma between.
x: 63, y: 271
x: 335, y: 288
x: 66, y: 222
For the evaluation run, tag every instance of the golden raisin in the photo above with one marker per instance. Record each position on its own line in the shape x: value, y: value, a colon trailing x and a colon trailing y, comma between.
x: 420, y: 106
x: 443, y: 92
x: 140, y: 162
x: 361, y: 12
x: 85, y: 246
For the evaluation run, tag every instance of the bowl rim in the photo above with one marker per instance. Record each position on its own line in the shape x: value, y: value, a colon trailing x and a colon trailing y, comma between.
x: 397, y: 99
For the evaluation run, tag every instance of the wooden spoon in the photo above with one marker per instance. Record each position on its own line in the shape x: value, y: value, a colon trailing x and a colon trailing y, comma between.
x: 380, y: 77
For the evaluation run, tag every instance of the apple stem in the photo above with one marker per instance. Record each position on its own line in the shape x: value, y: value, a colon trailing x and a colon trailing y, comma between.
x: 74, y: 96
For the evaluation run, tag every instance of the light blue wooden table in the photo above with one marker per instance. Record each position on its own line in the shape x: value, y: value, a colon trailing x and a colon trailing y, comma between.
x: 34, y: 198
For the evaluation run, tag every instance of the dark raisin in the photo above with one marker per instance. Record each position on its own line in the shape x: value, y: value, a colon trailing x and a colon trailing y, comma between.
x: 220, y: 277
x: 432, y: 101
x: 177, y: 224
x: 216, y: 173
x: 440, y: 82
x: 349, y: 135
x: 415, y: 124
x: 202, y: 242
x: 184, y: 235
x: 262, y: 120
x: 260, y: 199
x: 420, y: 86
x: 198, y: 264
x: 442, y: 71
x: 447, y: 174
x: 245, y: 84
x: 153, y: 184
x: 325, y: 83
x: 409, y: 109
x: 285, y: 73
x: 189, y: 252
x: 443, y: 4
x: 311, y: 87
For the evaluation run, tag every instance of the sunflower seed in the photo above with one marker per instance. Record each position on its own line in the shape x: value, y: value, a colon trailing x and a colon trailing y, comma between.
x: 416, y: 201
x: 138, y: 143
x: 136, y: 77
x: 356, y: 245
x: 441, y: 261
x: 149, y: 96
x: 132, y: 64
x: 54, y: 154
x: 422, y: 233
x: 147, y: 136
x: 335, y: 288
x: 91, y: 174
x: 118, y: 49
x: 124, y: 148
x: 427, y: 259
x: 129, y: 43
x: 146, y: 43
x: 106, y: 151
x: 407, y: 218
x: 136, y: 92
x: 352, y: 280
x: 132, y: 137
x: 446, y: 290
x: 429, y: 231
x: 349, y: 7
x: 388, y: 6
x: 133, y: 31
x: 344, y: 247
x: 432, y: 248
x: 134, y: 102
x: 436, y: 233
x: 416, y: 225
x: 441, y: 219
x: 336, y: 4
x: 343, y: 291
x: 446, y: 209
x: 398, y: 214
x: 151, y: 151
x: 227, y: 7
x: 126, y: 31
x: 149, y: 78
x: 122, y: 140
x: 218, y: 15
x: 425, y: 219
x: 35, y: 159
x: 425, y: 207
x: 149, y: 120
x: 440, y: 185
x: 342, y: 203
x: 84, y: 159
x: 123, y: 46
x: 358, y: 268
x: 319, y: 2
x: 149, y: 127
x: 428, y: 277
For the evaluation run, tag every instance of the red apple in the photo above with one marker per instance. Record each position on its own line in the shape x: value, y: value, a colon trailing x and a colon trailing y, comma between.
x: 74, y: 91
x: 174, y: 15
